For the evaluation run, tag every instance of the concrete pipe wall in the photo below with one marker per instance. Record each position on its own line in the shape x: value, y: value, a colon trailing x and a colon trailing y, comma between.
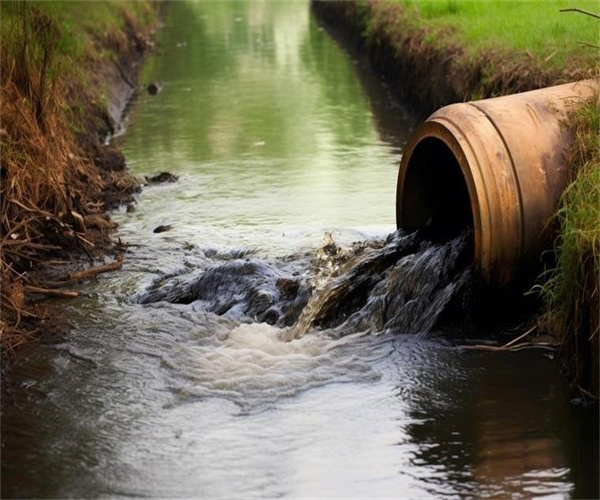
x: 498, y: 165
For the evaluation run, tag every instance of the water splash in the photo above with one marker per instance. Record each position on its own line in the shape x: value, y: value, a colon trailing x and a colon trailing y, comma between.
x: 243, y: 288
x: 403, y: 284
x: 403, y: 287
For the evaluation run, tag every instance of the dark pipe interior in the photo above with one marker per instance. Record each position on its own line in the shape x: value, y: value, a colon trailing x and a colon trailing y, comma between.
x: 435, y: 194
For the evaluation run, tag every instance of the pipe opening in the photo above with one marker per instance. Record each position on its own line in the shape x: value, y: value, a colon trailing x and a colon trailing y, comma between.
x: 435, y: 194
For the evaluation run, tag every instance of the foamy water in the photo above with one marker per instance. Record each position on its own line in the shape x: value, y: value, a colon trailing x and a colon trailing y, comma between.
x: 254, y: 364
x: 169, y: 384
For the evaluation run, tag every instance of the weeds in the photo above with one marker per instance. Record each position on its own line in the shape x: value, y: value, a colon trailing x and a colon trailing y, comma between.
x: 571, y: 291
x: 52, y: 192
x: 536, y: 30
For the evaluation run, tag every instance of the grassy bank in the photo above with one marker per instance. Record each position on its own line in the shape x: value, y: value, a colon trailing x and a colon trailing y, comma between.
x: 571, y: 290
x: 436, y: 52
x: 59, y: 62
x: 471, y: 49
x: 536, y: 31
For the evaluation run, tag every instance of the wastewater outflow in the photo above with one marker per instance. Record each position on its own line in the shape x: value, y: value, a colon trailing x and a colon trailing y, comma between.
x: 274, y: 342
x: 401, y: 284
x: 285, y: 329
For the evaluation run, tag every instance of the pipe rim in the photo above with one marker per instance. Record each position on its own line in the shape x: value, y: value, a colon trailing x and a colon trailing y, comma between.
x: 432, y: 129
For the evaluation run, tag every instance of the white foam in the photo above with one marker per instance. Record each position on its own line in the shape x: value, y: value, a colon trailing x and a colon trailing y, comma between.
x: 253, y: 363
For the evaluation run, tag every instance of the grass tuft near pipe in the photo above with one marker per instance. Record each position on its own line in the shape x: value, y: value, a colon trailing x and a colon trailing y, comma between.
x: 571, y: 289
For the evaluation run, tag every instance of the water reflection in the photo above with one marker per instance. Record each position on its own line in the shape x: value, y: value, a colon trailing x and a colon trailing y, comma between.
x: 253, y: 78
x: 493, y: 427
x: 276, y: 141
x: 266, y: 120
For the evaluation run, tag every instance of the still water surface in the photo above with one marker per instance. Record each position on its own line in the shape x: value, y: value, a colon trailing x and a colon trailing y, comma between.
x: 278, y: 136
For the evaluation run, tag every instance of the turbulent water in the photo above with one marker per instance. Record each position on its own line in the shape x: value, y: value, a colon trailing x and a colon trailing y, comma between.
x: 397, y: 286
x: 401, y: 285
x: 281, y: 339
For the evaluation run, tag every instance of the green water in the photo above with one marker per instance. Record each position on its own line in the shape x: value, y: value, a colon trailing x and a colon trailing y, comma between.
x: 266, y: 120
x: 278, y: 136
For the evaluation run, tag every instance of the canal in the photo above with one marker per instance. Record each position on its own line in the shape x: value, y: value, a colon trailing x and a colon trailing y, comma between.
x: 281, y: 141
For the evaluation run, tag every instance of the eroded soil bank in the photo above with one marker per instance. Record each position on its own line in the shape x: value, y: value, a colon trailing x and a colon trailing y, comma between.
x: 66, y: 80
x: 430, y: 75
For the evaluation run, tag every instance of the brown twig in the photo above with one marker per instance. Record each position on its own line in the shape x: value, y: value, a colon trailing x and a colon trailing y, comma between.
x: 88, y: 273
x: 31, y: 244
x: 85, y: 250
x: 51, y: 291
x: 520, y: 337
x: 518, y: 347
x: 21, y: 224
x: 581, y: 11
x: 94, y: 271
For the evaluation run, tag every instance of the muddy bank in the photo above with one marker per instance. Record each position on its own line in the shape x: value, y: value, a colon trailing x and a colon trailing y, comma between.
x: 60, y: 176
x: 120, y: 79
x: 428, y: 76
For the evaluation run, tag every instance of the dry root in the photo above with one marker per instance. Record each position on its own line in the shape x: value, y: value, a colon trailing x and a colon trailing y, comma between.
x: 53, y: 194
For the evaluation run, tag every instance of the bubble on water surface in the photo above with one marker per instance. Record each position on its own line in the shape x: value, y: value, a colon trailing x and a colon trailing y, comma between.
x: 253, y: 364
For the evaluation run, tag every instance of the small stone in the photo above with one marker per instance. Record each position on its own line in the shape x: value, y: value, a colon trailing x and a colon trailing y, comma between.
x: 154, y: 88
x: 163, y: 228
x: 162, y: 177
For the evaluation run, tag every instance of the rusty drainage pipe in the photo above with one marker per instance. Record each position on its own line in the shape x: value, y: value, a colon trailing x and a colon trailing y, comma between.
x: 498, y: 165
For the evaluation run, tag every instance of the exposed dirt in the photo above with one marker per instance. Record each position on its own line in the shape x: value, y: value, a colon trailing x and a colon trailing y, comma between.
x: 58, y: 185
x: 424, y: 76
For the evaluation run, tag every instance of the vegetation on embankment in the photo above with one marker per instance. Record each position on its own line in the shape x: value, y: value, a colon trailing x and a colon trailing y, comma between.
x: 435, y: 52
x: 571, y: 290
x: 536, y: 30
x: 60, y: 61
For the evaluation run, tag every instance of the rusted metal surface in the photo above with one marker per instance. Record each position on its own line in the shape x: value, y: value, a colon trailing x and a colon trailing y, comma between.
x: 499, y: 164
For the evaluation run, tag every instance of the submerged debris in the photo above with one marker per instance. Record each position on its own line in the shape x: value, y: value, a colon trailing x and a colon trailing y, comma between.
x: 163, y: 228
x: 154, y: 88
x: 161, y: 178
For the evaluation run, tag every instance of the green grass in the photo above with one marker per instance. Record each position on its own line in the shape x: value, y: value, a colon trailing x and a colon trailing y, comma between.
x: 78, y: 21
x: 571, y: 290
x: 83, y: 16
x: 76, y: 29
x: 578, y: 245
x: 534, y: 26
x: 95, y: 18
